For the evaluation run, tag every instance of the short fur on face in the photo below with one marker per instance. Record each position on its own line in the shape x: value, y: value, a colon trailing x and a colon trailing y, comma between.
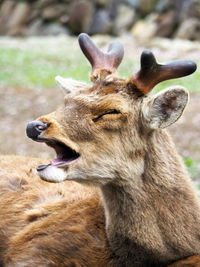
x: 107, y: 124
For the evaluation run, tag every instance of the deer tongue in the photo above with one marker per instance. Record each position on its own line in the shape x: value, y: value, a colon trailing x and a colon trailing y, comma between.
x: 57, y: 161
x: 64, y: 155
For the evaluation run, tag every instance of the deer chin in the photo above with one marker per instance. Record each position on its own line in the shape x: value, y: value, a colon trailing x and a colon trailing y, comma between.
x: 52, y: 174
x: 55, y: 171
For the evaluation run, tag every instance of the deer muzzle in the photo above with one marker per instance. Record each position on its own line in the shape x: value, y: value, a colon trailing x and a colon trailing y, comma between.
x: 35, y: 128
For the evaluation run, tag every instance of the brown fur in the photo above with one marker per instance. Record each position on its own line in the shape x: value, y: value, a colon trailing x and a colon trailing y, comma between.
x: 193, y: 261
x: 43, y: 224
x: 30, y: 227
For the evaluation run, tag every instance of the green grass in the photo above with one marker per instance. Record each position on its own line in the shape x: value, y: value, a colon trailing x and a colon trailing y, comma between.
x: 192, y: 83
x: 192, y: 167
x: 31, y: 68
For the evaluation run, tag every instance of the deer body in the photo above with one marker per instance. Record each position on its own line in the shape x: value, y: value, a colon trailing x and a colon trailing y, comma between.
x: 43, y: 224
x: 110, y: 135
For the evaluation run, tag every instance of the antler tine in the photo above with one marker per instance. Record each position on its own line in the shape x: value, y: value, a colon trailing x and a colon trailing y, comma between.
x: 151, y: 73
x: 115, y: 53
x: 102, y: 63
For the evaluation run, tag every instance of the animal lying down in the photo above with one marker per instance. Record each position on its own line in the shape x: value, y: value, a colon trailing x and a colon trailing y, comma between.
x: 120, y: 194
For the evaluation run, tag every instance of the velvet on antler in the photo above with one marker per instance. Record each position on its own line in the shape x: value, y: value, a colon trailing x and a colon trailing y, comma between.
x: 103, y: 63
x: 151, y: 72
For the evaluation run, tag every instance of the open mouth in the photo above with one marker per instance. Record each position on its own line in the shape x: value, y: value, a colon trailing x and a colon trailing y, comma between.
x: 64, y: 154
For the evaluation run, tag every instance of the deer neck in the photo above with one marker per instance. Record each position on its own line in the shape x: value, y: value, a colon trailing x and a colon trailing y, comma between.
x: 128, y: 226
x: 125, y: 196
x: 135, y: 221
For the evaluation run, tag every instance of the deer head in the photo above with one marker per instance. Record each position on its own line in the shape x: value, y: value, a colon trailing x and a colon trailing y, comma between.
x: 101, y: 131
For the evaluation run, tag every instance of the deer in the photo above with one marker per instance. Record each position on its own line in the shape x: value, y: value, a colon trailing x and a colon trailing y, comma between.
x: 117, y: 192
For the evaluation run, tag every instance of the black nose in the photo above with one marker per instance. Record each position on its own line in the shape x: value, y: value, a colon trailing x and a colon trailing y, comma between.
x: 35, y: 128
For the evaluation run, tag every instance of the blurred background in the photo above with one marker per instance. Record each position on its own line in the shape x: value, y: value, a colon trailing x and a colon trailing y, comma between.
x: 38, y: 40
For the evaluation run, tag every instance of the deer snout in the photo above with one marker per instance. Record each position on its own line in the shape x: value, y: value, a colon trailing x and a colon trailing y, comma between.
x: 35, y: 128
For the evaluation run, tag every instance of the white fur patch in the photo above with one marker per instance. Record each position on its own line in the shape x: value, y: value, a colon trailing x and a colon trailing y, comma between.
x: 52, y: 174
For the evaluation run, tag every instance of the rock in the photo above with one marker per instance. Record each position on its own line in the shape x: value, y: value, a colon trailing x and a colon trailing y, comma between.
x: 189, y: 29
x: 80, y: 16
x: 103, y: 3
x: 19, y: 18
x: 144, y: 30
x: 181, y: 7
x: 164, y: 5
x: 64, y: 19
x: 34, y: 28
x: 53, y: 12
x: 35, y: 13
x: 43, y: 29
x: 101, y: 22
x: 124, y: 19
x: 147, y: 6
x: 54, y: 29
x: 5, y: 12
x: 44, y: 3
x: 132, y: 3
x: 113, y: 8
x: 194, y: 8
x: 166, y: 23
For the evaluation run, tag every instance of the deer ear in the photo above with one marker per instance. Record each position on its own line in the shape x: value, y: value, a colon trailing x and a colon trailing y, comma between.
x: 164, y: 108
x: 69, y: 85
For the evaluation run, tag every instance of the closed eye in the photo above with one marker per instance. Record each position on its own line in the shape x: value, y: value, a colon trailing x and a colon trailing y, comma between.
x: 110, y: 112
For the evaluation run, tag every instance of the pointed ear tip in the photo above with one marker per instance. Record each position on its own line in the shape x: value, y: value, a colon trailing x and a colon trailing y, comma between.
x: 179, y: 89
x: 165, y: 107
x: 179, y: 92
x: 58, y: 78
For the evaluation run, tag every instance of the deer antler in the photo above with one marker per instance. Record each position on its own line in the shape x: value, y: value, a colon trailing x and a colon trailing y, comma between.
x: 103, y: 64
x: 151, y: 73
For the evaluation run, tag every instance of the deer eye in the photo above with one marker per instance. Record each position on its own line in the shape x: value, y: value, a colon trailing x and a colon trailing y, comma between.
x: 110, y: 112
